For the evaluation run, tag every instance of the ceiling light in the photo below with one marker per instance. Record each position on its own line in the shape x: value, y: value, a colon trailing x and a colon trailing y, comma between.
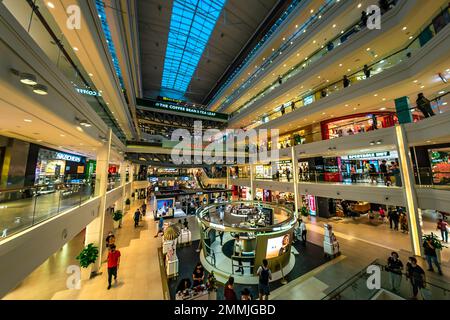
x: 348, y: 70
x: 368, y: 49
x: 334, y: 26
x: 359, y: 5
x: 415, y: 81
x: 421, y: 87
x: 50, y: 5
x: 379, y: 141
x: 62, y: 135
x: 91, y: 75
x: 312, y: 10
x: 79, y: 128
x: 39, y: 140
x: 375, y: 95
x: 410, y: 37
x: 340, y: 64
x: 40, y: 89
x: 382, y: 109
x: 372, y: 143
x: 27, y: 120
x: 28, y: 78
x: 296, y: 25
x: 404, y: 28
x: 75, y: 48
x: 441, y: 92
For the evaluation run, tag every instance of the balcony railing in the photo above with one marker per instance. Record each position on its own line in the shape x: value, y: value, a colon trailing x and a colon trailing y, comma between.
x: 357, y: 288
x: 23, y: 208
x: 427, y: 33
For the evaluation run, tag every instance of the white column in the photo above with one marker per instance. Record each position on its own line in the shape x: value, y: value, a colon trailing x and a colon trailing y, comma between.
x: 228, y: 177
x: 295, y: 179
x: 252, y: 183
x: 408, y: 180
x: 94, y: 231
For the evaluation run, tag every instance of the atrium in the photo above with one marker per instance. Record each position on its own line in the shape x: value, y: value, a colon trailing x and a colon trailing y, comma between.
x: 224, y: 150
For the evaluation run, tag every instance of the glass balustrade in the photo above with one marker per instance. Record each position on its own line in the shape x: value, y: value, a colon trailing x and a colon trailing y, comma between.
x: 358, y: 288
x: 426, y: 34
x: 25, y: 207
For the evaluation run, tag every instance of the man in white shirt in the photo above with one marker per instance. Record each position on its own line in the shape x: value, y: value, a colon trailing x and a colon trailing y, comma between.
x: 238, y: 252
x: 303, y: 231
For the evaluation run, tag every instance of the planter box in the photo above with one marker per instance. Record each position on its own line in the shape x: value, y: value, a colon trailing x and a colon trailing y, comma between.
x: 86, y: 273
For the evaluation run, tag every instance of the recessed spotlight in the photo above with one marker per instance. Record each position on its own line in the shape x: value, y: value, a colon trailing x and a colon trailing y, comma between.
x: 91, y: 75
x: 404, y: 28
x: 312, y: 10
x: 62, y: 135
x: 415, y: 81
x: 441, y: 92
x: 75, y: 49
x: 28, y: 79
x: 375, y: 95
x: 421, y: 87
x: 368, y: 49
x: 334, y: 25
x: 50, y: 5
x: 382, y: 109
x: 359, y: 5
x: 40, y: 89
x: 27, y: 120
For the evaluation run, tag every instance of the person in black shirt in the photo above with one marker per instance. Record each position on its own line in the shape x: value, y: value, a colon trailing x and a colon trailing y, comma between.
x: 416, y: 275
x: 198, y: 275
x: 395, y: 219
x: 424, y: 105
x: 395, y: 267
x: 384, y: 171
x: 346, y: 81
x: 367, y: 71
x: 431, y: 256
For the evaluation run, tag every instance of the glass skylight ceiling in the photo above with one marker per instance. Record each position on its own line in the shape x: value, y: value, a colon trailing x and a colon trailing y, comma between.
x: 191, y: 26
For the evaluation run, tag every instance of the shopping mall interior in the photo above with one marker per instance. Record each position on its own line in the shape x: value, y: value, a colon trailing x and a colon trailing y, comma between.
x: 224, y: 149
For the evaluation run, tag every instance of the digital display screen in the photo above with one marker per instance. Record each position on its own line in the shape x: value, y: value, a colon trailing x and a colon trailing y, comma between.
x: 278, y: 246
x: 163, y: 206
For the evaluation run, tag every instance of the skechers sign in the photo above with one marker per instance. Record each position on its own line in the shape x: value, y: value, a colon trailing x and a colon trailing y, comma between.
x: 67, y: 157
x: 89, y: 92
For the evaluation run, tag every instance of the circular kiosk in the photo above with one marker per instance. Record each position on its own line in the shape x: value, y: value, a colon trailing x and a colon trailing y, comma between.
x: 236, y: 236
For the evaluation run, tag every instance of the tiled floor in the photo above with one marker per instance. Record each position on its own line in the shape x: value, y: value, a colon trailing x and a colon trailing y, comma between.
x: 140, y: 277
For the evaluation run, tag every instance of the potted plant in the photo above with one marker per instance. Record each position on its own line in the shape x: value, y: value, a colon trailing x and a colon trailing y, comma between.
x: 87, y: 258
x: 117, y: 218
x: 437, y: 244
x: 304, y: 212
x: 127, y: 204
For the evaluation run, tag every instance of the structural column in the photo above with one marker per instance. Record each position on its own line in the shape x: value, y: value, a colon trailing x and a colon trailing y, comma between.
x: 252, y: 183
x: 228, y: 177
x: 95, y: 230
x: 407, y: 175
x: 295, y: 179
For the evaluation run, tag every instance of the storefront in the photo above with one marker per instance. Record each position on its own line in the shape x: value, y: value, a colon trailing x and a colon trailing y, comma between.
x: 440, y: 165
x: 361, y: 163
x: 264, y: 171
x: 356, y: 123
x: 58, y: 167
x: 431, y: 164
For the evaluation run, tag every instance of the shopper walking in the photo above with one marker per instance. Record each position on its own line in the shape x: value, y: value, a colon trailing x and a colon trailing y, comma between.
x: 110, y: 239
x: 431, y: 256
x: 160, y: 228
x: 228, y: 292
x: 303, y: 231
x: 443, y: 227
x: 144, y: 209
x: 185, y: 223
x: 395, y: 219
x: 137, y: 217
x: 113, y: 263
x: 384, y: 172
x: 364, y: 19
x: 424, y: 105
x: 404, y: 223
x: 265, y: 275
x: 390, y: 217
x: 238, y: 252
x: 367, y: 71
x: 346, y: 81
x: 416, y: 275
x: 395, y: 267
x: 372, y: 173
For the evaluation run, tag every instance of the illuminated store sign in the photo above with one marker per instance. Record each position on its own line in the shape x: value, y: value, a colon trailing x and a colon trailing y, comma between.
x: 371, y: 155
x: 185, y: 109
x: 67, y: 157
x: 89, y: 92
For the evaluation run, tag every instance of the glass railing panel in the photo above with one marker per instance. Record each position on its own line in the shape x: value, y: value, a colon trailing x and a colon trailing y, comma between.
x: 16, y: 210
x: 378, y: 67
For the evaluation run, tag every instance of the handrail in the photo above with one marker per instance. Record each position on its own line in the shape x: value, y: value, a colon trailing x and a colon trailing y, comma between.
x: 314, y: 92
x: 335, y: 293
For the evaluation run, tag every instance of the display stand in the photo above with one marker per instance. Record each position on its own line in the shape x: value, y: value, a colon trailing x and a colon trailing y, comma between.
x: 172, y: 266
x: 330, y: 244
x: 167, y: 245
x: 185, y: 237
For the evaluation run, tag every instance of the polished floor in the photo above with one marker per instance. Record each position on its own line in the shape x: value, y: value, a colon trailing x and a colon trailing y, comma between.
x: 140, y: 273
